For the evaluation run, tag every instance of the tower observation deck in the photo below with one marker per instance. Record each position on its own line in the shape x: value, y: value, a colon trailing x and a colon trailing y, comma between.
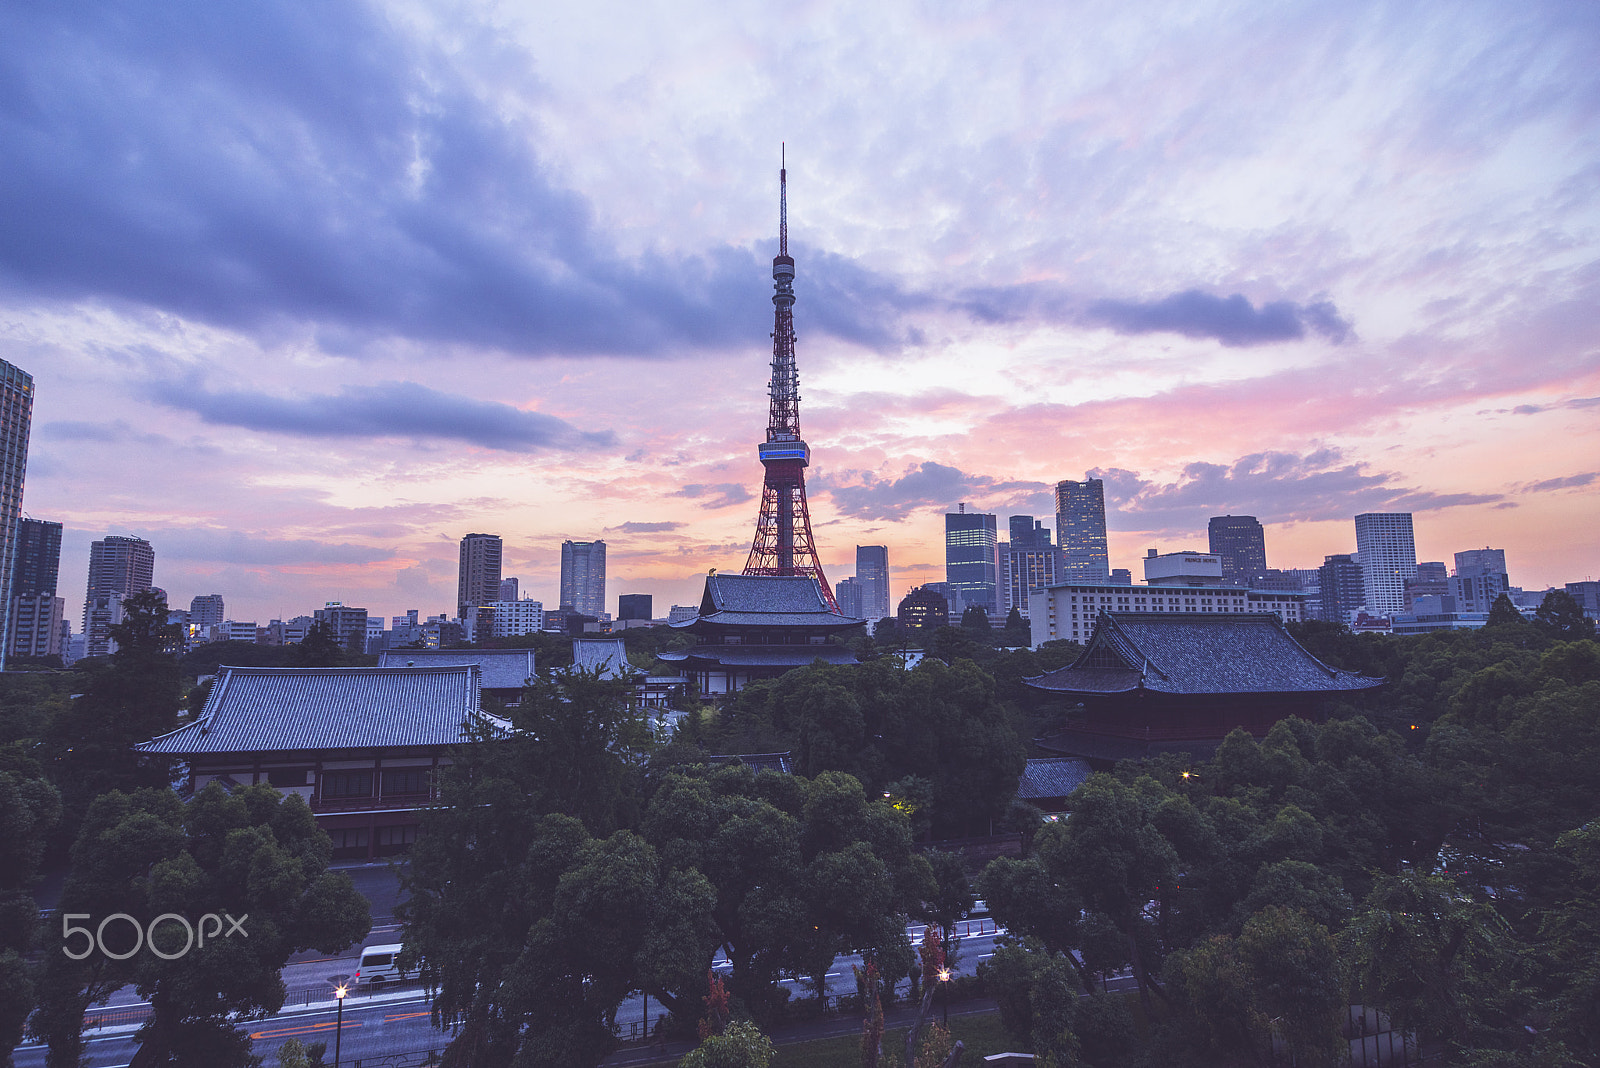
x: 783, y: 544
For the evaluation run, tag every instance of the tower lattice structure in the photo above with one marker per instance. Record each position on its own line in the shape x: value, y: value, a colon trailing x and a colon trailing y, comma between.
x: 784, y: 544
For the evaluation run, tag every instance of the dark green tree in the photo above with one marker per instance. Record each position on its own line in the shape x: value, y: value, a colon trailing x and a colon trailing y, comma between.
x: 29, y: 809
x: 319, y: 648
x: 1504, y: 614
x: 138, y: 696
x: 975, y: 619
x: 254, y: 855
x: 1561, y: 617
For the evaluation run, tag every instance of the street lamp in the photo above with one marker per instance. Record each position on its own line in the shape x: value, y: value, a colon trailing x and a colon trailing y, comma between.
x: 944, y: 994
x: 338, y: 1028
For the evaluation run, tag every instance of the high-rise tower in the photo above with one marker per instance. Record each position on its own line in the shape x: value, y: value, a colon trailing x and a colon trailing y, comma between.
x: 1081, y: 529
x: 783, y: 543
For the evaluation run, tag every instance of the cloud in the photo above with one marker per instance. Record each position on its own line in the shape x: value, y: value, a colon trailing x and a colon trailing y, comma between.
x: 254, y: 166
x: 1276, y: 487
x: 387, y: 410
x: 118, y: 431
x: 1575, y: 403
x: 864, y: 495
x: 714, y: 494
x: 1233, y: 321
x: 645, y: 528
x: 1568, y: 482
x: 233, y: 547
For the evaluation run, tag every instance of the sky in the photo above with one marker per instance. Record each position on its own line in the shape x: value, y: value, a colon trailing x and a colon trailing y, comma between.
x: 309, y: 292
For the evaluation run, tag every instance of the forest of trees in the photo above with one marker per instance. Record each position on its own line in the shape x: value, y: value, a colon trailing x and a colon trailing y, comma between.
x: 1430, y: 851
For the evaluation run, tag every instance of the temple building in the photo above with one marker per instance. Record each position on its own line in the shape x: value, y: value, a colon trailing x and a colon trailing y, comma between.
x: 758, y: 627
x: 362, y: 746
x: 1149, y: 682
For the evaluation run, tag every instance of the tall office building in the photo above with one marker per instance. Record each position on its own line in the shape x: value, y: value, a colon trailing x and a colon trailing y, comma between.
x: 583, y: 577
x: 971, y: 559
x: 207, y: 610
x: 508, y: 590
x: 478, y: 580
x: 635, y: 606
x: 16, y: 420
x: 1431, y: 580
x: 36, y: 558
x: 1028, y: 562
x: 1081, y: 529
x: 118, y: 567
x: 1388, y: 556
x: 848, y: 593
x: 1480, y: 579
x: 1484, y: 561
x: 1342, y: 591
x: 1242, y: 544
x: 872, y: 573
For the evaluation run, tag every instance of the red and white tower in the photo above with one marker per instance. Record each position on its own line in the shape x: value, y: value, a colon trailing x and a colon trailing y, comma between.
x: 784, y: 545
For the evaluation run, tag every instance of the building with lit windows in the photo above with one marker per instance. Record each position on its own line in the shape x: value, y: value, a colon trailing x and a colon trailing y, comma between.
x: 583, y: 577
x: 971, y: 559
x: 1068, y: 611
x: 1081, y: 530
x: 1242, y: 544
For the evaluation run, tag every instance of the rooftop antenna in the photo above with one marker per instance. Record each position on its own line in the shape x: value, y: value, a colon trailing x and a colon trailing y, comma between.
x: 783, y: 199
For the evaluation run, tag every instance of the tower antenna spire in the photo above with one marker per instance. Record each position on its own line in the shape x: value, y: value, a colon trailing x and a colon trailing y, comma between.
x: 784, y: 544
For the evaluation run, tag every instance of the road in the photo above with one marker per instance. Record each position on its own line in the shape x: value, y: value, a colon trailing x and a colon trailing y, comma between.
x: 395, y: 1020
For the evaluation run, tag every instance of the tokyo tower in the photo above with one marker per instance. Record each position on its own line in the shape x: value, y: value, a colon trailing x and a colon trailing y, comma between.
x: 783, y: 544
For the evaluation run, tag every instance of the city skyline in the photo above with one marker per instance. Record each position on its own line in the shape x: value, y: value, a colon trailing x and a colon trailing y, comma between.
x: 554, y: 321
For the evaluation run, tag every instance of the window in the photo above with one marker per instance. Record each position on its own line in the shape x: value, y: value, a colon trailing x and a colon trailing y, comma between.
x: 281, y: 777
x: 402, y: 781
x: 346, y: 784
x: 396, y: 839
x: 348, y: 842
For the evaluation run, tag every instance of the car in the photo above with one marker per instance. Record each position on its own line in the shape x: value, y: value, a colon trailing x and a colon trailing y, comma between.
x: 380, y: 964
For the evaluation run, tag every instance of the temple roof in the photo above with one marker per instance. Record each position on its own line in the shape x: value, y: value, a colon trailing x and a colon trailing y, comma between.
x: 259, y: 710
x: 1051, y: 777
x: 766, y: 601
x: 501, y: 669
x: 1180, y: 653
x: 608, y: 656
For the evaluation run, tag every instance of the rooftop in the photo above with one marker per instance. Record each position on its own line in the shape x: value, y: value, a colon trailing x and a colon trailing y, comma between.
x: 765, y: 600
x: 1180, y: 653
x: 500, y: 669
x: 258, y: 710
x: 606, y: 656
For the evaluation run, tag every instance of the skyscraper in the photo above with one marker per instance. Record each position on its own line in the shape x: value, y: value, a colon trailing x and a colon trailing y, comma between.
x: 1081, y: 529
x: 1242, y: 544
x: 636, y: 606
x: 583, y: 577
x: 1028, y: 562
x: 16, y: 420
x: 872, y: 573
x: 118, y: 567
x: 971, y: 561
x: 1480, y: 579
x: 207, y: 610
x: 1388, y: 556
x: 1342, y: 591
x: 35, y: 610
x: 478, y: 581
x: 847, y: 592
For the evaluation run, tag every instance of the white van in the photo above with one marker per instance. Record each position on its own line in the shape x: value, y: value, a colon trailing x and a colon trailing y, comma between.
x: 380, y: 964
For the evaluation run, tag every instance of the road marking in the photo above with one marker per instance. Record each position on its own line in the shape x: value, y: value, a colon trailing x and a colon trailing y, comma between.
x: 311, y: 1030
x: 407, y: 1016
